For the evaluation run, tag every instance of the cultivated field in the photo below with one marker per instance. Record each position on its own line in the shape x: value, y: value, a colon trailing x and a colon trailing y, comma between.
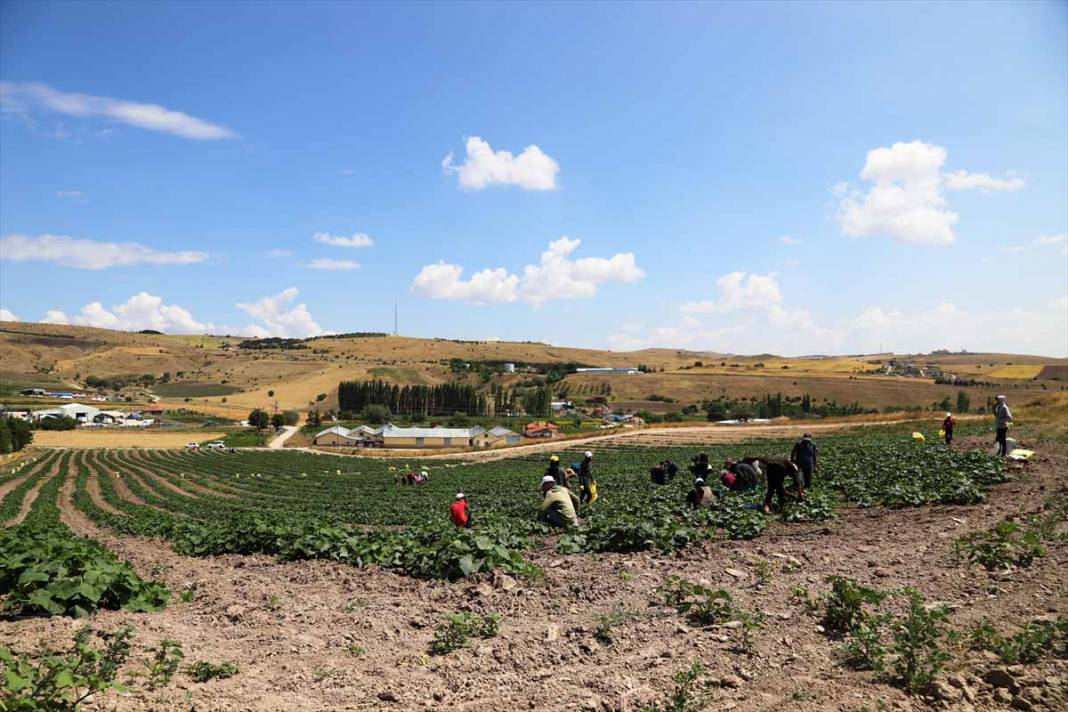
x: 327, y: 584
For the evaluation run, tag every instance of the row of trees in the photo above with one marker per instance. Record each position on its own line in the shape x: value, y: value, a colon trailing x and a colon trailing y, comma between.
x: 260, y: 420
x: 443, y: 399
x: 15, y: 434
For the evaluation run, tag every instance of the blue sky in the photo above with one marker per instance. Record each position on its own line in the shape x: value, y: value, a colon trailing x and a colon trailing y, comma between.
x: 793, y: 178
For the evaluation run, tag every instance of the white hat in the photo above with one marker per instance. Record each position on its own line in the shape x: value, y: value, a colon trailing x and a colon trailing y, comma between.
x: 699, y: 481
x: 424, y: 473
x: 588, y: 453
x: 461, y: 495
x: 949, y: 415
x: 548, y: 480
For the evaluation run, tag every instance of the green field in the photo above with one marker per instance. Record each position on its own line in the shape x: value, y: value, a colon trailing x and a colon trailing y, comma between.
x: 193, y: 389
x: 299, y: 506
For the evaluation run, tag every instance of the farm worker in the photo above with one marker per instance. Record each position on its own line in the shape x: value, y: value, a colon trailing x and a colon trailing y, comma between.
x: 804, y: 456
x: 458, y: 511
x: 671, y: 469
x: 700, y: 467
x: 424, y: 476
x: 947, y: 428
x: 778, y: 469
x: 739, y: 476
x: 701, y: 495
x: 585, y: 477
x: 1003, y: 417
x: 658, y: 474
x: 558, y: 504
x: 554, y: 471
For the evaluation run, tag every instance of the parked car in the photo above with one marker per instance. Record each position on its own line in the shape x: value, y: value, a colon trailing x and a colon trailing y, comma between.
x: 217, y: 445
x: 192, y: 446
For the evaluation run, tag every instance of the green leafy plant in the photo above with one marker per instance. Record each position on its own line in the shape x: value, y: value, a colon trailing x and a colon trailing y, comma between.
x: 1007, y: 544
x: 1029, y: 645
x: 458, y: 628
x: 865, y: 648
x: 166, y: 658
x: 59, y: 682
x: 845, y: 603
x: 918, y: 639
x: 684, y: 698
x: 762, y: 567
x: 203, y: 671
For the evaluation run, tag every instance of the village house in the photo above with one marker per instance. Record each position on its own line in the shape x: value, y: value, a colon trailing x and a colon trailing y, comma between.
x: 360, y: 436
x: 496, y: 437
x: 541, y: 430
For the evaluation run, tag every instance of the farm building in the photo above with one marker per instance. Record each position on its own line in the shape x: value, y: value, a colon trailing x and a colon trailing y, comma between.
x: 361, y: 436
x: 608, y: 369
x: 496, y: 437
x: 77, y: 411
x: 428, y: 437
x: 541, y: 430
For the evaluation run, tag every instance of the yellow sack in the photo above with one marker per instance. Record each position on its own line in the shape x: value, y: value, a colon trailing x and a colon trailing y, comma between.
x: 592, y: 487
x: 918, y: 437
x: 1021, y: 454
x: 941, y: 433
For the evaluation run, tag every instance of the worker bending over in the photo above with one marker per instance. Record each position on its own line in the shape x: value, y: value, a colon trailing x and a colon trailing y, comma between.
x: 558, y: 505
x: 459, y: 512
x: 701, y: 496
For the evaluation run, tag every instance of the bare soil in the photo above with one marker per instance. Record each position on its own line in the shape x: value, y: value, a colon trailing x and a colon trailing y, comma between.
x: 29, y: 497
x: 289, y: 626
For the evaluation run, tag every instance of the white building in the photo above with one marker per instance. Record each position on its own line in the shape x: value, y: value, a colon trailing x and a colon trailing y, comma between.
x: 77, y: 411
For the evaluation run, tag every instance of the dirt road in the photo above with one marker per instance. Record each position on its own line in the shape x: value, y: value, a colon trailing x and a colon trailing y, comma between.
x: 279, y: 441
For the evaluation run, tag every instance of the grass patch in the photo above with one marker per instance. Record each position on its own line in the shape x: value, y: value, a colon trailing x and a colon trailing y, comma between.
x: 193, y: 389
x: 249, y: 437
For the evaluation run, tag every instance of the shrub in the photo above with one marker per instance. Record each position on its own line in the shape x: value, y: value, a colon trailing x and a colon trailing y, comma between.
x: 166, y: 658
x: 865, y: 649
x: 1007, y: 544
x: 59, y: 682
x: 203, y: 671
x: 918, y: 638
x: 684, y: 697
x: 63, y: 422
x: 459, y: 627
x: 376, y: 414
x: 1027, y: 646
x: 845, y: 604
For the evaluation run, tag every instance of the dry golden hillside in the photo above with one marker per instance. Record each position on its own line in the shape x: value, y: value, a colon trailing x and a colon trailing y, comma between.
x: 212, y: 373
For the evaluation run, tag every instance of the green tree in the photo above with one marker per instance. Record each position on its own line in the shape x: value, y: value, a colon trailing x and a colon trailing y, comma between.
x: 291, y: 417
x: 5, y: 437
x: 259, y: 419
x: 375, y: 414
x: 964, y: 403
x: 278, y: 420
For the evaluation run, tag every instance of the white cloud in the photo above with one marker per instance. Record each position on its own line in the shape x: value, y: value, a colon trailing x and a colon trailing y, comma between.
x: 153, y: 117
x: 1031, y: 330
x: 905, y: 201
x: 556, y: 276
x: 355, y: 240
x: 278, y: 319
x: 89, y: 254
x: 280, y: 253
x: 787, y: 240
x: 531, y: 170
x: 1039, y: 242
x: 739, y: 290
x: 325, y: 263
x: 54, y: 316
x: 8, y: 315
x: 141, y: 311
x: 74, y: 196
x: 983, y: 182
x: 445, y: 281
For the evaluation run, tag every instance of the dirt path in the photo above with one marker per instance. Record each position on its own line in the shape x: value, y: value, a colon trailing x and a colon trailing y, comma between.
x: 125, y: 493
x: 92, y: 486
x: 29, y: 498
x: 19, y: 479
x: 279, y: 441
x: 134, y: 461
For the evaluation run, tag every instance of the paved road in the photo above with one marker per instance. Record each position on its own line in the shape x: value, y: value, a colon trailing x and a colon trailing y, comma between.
x: 278, y: 441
